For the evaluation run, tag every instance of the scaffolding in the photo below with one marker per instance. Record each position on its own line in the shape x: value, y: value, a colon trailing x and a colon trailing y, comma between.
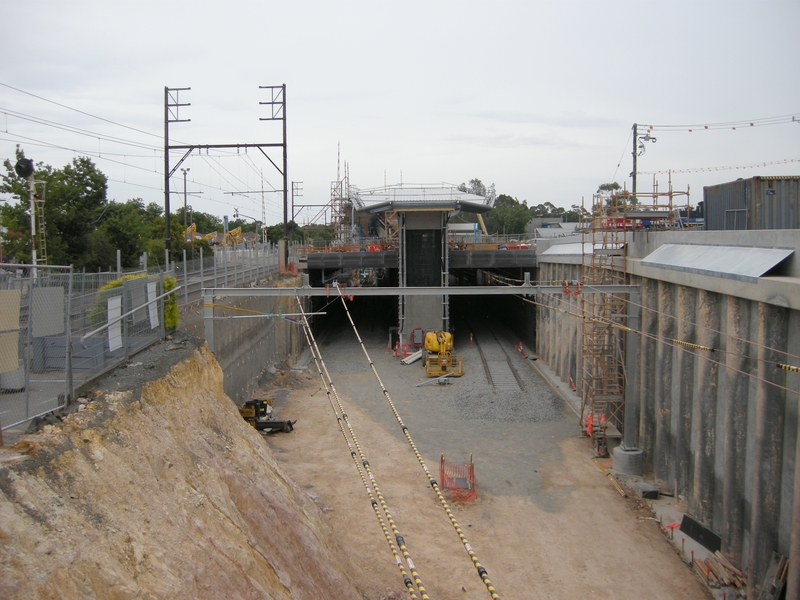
x: 614, y: 217
x: 602, y: 384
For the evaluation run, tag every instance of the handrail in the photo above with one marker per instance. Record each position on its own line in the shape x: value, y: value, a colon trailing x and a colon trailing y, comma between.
x: 130, y: 312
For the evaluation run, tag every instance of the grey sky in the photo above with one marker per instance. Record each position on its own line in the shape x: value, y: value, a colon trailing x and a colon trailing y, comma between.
x: 535, y: 97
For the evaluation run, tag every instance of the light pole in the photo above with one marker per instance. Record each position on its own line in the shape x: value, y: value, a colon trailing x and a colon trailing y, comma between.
x: 184, y: 171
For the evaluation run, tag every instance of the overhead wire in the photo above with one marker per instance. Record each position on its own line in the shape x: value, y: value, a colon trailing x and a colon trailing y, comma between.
x: 81, y: 111
x: 766, y: 121
x: 356, y: 452
x: 482, y: 573
x: 77, y: 130
x: 44, y: 144
x: 115, y: 140
x: 624, y: 150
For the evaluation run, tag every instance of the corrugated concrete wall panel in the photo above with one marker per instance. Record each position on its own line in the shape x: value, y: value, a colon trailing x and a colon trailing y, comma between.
x: 719, y: 428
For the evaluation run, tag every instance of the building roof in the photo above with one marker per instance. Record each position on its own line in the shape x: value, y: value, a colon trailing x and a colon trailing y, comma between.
x: 745, y: 263
x: 421, y: 197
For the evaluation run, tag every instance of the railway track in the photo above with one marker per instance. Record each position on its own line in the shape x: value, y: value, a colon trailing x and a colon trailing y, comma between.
x: 497, y: 364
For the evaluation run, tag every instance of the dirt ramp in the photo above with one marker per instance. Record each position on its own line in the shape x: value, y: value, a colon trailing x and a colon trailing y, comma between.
x: 166, y: 495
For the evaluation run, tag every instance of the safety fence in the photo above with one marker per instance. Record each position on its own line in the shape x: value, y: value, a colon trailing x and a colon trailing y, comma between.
x: 61, y: 329
x: 458, y: 479
x: 58, y: 329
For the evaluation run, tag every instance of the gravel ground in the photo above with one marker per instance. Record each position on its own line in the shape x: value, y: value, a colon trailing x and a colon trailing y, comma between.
x: 467, y: 416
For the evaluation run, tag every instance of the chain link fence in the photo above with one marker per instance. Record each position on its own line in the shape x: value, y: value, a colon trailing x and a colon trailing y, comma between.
x: 59, y: 329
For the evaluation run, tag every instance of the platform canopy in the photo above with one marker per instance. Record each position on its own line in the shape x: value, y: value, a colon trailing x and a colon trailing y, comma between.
x: 420, y: 197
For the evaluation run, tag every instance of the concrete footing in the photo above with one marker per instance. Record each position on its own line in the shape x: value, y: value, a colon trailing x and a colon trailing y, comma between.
x: 628, y: 462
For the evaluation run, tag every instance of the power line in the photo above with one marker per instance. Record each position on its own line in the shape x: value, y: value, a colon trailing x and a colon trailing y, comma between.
x: 77, y: 130
x: 778, y: 120
x: 785, y: 161
x: 82, y: 112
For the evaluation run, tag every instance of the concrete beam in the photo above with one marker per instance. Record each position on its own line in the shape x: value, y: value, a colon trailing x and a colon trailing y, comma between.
x: 514, y: 290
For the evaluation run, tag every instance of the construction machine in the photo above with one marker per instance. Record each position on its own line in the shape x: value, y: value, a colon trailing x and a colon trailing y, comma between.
x: 259, y: 414
x: 233, y: 237
x: 190, y: 233
x: 440, y: 360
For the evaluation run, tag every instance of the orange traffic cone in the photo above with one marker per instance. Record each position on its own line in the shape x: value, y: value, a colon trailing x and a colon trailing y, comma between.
x: 589, y: 423
x: 396, y: 349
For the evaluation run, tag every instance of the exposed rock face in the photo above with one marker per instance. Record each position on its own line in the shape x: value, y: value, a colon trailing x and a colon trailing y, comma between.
x: 167, y: 495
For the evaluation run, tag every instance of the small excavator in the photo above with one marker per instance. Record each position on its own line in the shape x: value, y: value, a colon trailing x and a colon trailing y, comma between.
x: 440, y: 361
x: 258, y: 412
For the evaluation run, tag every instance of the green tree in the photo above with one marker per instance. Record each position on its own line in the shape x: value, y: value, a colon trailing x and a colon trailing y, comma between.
x: 125, y: 227
x: 74, y: 202
x: 508, y: 217
x: 614, y: 197
x: 475, y: 187
x: 275, y: 232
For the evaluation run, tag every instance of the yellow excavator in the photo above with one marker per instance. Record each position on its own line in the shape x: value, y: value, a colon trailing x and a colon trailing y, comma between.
x: 189, y: 234
x: 233, y: 237
x: 440, y: 360
x: 209, y: 237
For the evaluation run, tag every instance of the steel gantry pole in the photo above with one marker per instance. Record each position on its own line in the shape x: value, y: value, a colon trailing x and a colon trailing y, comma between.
x: 285, y: 172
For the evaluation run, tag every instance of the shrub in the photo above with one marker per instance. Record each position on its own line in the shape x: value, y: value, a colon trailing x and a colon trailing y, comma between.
x: 99, y: 313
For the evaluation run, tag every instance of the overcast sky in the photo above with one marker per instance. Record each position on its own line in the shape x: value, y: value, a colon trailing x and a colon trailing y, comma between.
x: 536, y: 97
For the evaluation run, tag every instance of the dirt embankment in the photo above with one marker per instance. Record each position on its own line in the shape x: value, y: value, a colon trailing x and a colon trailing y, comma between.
x: 166, y: 493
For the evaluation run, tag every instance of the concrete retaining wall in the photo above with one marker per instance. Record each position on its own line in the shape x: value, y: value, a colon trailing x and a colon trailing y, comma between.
x: 247, y: 347
x: 719, y: 429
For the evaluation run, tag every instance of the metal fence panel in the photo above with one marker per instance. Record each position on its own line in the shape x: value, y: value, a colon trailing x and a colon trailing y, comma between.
x: 59, y: 330
x: 35, y: 373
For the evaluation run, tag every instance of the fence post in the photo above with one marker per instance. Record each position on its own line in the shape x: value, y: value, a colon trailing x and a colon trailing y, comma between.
x: 202, y: 280
x: 70, y: 391
x: 26, y: 361
x: 185, y: 280
x: 162, y: 304
x: 125, y: 308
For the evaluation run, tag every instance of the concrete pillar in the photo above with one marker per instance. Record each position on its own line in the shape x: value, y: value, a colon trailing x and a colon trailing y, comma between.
x: 701, y: 496
x: 630, y: 440
x: 773, y: 323
x: 683, y: 383
x: 734, y: 404
x: 662, y: 396
x: 647, y: 358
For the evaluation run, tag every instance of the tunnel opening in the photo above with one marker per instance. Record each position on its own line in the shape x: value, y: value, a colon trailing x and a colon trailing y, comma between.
x: 376, y: 317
